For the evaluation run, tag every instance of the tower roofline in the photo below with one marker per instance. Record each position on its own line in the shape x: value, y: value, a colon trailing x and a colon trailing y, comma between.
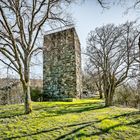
x: 63, y: 28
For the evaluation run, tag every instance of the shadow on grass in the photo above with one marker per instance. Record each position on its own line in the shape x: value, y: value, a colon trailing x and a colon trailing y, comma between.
x: 10, y: 111
x: 127, y: 114
x: 78, y: 109
x: 46, y: 108
x: 82, y: 126
x: 71, y: 108
x: 55, y: 110
x: 100, y: 131
x: 106, y: 131
x: 49, y: 130
x: 60, y: 109
x: 11, y: 116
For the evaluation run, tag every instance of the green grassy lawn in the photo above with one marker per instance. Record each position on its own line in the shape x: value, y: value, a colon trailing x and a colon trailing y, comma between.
x: 78, y: 120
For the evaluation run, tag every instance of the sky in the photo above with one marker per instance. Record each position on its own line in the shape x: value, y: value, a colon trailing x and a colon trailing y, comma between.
x: 89, y: 15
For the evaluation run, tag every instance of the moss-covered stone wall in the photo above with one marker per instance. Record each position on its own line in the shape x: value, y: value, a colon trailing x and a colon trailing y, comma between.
x: 62, y: 65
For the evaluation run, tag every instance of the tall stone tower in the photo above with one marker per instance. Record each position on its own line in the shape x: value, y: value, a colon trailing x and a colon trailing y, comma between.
x: 62, y: 64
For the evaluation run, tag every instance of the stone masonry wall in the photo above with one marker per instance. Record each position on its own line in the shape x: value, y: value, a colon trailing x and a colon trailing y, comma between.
x: 78, y: 66
x: 61, y: 65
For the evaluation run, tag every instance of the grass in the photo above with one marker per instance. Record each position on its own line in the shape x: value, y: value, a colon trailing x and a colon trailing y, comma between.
x: 78, y: 120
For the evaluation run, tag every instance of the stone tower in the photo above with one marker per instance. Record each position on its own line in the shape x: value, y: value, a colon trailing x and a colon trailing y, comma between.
x: 62, y: 64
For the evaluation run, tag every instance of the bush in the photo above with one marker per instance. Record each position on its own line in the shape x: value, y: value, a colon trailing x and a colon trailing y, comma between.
x: 36, y: 94
x: 127, y: 97
x: 60, y: 99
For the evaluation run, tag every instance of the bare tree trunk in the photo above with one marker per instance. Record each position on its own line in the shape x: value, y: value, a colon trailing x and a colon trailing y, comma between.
x: 109, y: 101
x: 109, y: 97
x: 99, y: 89
x: 139, y: 78
x: 101, y: 94
x: 139, y: 101
x: 28, y: 106
x: 108, y: 91
x: 139, y: 107
x: 26, y: 87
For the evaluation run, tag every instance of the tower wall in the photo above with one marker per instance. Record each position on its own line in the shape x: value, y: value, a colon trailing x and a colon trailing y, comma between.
x: 61, y: 65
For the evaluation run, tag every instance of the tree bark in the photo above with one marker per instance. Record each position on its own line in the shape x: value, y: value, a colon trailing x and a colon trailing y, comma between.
x: 109, y: 97
x: 26, y: 86
x: 109, y: 101
x: 101, y: 94
x: 99, y: 89
x: 28, y: 105
x: 139, y: 102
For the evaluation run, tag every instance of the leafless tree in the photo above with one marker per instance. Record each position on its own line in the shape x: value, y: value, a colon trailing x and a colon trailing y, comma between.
x: 110, y: 50
x: 21, y: 22
x: 137, y: 76
x: 96, y: 76
x: 135, y: 4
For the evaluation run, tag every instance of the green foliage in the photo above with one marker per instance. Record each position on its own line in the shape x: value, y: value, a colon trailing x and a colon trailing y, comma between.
x: 77, y: 120
x: 67, y: 99
x: 62, y: 99
x: 36, y: 93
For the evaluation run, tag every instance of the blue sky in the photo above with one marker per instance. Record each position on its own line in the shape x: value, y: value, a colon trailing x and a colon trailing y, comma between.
x: 87, y: 17
x: 90, y: 15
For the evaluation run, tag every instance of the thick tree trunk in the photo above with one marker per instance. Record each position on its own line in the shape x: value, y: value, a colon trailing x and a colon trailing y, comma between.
x: 99, y: 89
x: 109, y: 97
x: 28, y: 105
x: 100, y: 94
x: 125, y: 103
x: 139, y: 101
x: 108, y: 101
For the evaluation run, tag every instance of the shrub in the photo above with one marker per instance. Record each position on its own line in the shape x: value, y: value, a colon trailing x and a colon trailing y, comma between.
x: 36, y: 94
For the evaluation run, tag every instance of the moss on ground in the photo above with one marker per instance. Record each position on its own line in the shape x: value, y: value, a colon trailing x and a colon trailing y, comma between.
x: 78, y: 120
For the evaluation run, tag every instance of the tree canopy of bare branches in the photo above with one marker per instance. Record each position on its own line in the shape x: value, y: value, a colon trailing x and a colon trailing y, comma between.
x: 21, y: 22
x: 110, y: 51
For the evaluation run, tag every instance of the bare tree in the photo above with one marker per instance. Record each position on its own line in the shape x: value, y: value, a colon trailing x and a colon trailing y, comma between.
x: 96, y: 76
x: 137, y: 76
x: 110, y: 49
x: 135, y: 4
x: 21, y: 22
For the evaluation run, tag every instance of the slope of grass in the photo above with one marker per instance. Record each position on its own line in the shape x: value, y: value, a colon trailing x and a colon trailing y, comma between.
x: 78, y: 120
